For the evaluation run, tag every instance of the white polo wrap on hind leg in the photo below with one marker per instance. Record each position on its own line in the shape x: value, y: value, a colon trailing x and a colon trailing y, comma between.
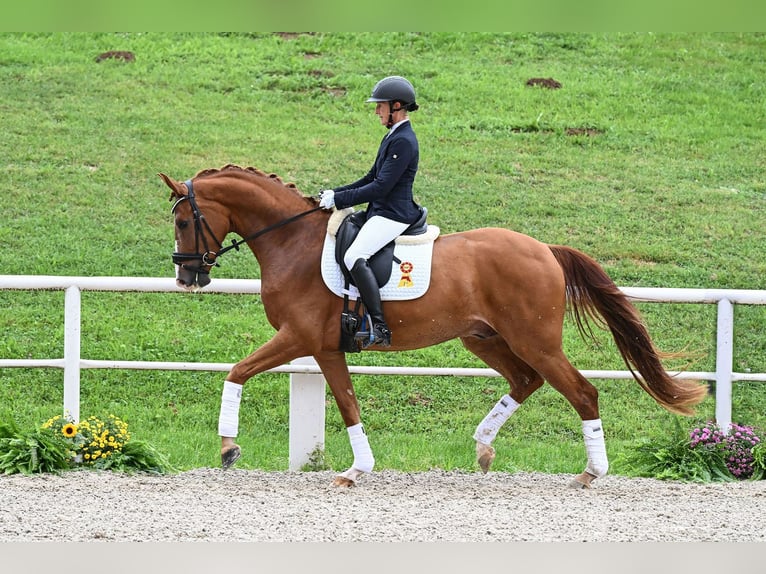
x: 593, y: 433
x: 363, y: 459
x: 488, y: 428
x: 228, y: 420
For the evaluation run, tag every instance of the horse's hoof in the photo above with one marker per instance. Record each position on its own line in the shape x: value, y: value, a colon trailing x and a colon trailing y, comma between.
x: 230, y: 456
x: 348, y: 478
x: 582, y: 481
x: 485, y: 454
x: 343, y: 482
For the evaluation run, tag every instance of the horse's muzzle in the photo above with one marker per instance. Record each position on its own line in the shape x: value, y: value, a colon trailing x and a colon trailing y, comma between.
x: 192, y: 278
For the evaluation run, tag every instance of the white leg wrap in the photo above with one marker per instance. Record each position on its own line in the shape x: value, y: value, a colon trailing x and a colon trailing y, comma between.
x: 593, y: 433
x: 228, y: 421
x: 363, y: 459
x: 488, y: 428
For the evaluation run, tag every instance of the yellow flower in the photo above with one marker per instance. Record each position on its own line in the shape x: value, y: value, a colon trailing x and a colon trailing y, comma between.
x: 49, y: 423
x: 69, y: 430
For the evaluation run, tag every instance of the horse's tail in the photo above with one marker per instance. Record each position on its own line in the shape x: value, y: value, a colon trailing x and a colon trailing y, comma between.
x: 591, y: 294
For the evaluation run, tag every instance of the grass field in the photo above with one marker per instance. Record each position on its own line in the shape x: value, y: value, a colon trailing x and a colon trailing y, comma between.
x: 649, y: 157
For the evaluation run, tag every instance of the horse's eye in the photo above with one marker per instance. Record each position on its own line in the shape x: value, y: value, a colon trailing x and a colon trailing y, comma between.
x: 183, y: 224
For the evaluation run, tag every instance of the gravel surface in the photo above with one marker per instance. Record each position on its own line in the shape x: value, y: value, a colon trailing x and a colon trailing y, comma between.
x: 243, y: 505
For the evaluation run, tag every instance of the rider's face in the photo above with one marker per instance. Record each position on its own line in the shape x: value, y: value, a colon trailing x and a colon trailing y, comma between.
x: 382, y: 109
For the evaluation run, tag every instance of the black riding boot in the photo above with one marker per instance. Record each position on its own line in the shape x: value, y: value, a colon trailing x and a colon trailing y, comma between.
x: 365, y: 281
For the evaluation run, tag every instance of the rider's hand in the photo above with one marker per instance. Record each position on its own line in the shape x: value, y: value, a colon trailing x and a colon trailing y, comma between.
x: 327, y: 199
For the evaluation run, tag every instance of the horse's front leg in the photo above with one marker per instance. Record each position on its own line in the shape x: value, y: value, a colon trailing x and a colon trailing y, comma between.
x: 335, y: 371
x: 228, y: 423
x: 279, y: 350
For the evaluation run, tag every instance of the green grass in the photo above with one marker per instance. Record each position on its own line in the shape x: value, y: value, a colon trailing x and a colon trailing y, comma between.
x: 649, y: 158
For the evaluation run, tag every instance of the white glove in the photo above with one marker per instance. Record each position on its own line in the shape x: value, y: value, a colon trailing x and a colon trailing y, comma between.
x: 327, y: 199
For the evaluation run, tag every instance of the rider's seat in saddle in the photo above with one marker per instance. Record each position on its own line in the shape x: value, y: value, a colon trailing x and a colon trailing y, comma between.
x: 380, y: 263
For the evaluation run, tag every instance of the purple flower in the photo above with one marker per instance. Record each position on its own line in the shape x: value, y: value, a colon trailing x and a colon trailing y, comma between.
x: 736, y: 445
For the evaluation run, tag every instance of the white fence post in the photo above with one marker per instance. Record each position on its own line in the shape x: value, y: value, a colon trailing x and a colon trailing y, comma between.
x: 307, y: 414
x: 724, y: 364
x: 72, y: 353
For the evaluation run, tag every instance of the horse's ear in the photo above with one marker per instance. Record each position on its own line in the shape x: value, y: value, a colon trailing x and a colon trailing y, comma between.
x: 177, y: 189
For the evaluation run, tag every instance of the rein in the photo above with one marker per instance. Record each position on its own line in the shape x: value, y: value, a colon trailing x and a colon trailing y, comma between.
x: 209, y: 258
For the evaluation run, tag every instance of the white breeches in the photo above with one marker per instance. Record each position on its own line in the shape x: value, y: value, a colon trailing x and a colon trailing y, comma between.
x: 375, y: 233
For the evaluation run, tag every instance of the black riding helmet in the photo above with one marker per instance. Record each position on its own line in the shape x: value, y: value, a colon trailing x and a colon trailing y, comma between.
x: 394, y: 89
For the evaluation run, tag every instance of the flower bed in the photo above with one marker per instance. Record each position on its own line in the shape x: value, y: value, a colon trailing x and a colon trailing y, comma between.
x: 61, y: 444
x: 705, y: 453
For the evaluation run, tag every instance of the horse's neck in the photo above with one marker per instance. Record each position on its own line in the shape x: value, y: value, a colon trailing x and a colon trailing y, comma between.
x: 282, y: 246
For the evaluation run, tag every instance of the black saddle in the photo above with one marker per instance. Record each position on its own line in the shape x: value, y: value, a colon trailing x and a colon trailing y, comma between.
x: 380, y: 263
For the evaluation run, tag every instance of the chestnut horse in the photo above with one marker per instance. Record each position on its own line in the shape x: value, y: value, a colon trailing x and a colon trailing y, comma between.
x: 507, y: 304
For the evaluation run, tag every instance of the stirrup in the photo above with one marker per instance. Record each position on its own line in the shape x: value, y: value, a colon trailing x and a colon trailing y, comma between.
x: 380, y: 335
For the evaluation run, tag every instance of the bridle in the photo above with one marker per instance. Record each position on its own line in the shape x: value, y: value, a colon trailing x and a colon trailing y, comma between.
x: 209, y: 258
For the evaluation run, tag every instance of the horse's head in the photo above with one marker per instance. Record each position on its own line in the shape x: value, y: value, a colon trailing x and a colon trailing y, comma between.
x: 246, y: 201
x: 198, y: 237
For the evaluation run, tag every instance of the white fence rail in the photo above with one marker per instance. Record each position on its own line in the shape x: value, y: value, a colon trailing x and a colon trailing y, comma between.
x: 307, y: 415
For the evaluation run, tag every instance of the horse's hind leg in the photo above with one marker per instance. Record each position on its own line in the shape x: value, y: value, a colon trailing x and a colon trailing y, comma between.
x: 583, y: 396
x: 522, y: 379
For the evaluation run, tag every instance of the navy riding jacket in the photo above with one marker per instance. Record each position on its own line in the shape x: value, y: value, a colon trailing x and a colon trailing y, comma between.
x: 387, y: 187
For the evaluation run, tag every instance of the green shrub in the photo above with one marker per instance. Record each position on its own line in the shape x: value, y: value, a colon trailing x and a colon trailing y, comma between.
x: 60, y: 444
x: 706, y: 453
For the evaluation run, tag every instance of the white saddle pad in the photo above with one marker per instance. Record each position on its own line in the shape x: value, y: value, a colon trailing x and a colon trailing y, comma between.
x: 409, y: 279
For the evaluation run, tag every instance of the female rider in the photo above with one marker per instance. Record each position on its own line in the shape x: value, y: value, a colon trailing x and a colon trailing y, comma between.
x: 387, y: 190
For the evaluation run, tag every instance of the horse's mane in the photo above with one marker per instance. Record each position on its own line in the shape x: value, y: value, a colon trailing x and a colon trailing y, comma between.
x: 248, y: 170
x: 253, y: 172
